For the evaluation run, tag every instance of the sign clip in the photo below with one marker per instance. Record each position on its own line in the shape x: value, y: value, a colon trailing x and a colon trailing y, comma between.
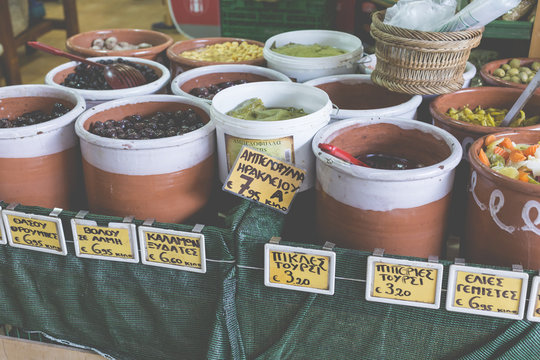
x: 149, y: 222
x: 459, y: 261
x: 55, y: 212
x: 198, y: 228
x: 128, y: 219
x: 275, y: 240
x: 517, y: 268
x: 328, y: 245
x: 81, y: 214
x: 12, y: 206
x: 433, y: 259
x: 378, y: 252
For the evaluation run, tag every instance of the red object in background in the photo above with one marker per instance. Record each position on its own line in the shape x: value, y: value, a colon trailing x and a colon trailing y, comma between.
x: 345, y: 14
x: 196, y: 18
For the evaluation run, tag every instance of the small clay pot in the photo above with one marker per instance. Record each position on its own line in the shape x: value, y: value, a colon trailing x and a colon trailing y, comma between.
x: 81, y: 44
x: 40, y: 164
x: 402, y: 211
x: 486, y: 72
x: 503, y: 213
x: 180, y: 64
x: 167, y: 179
x: 57, y: 75
x: 356, y: 95
x: 210, y: 75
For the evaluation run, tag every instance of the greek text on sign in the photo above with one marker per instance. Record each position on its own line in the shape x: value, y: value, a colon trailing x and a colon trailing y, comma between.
x: 534, y: 301
x: 404, y: 282
x: 114, y: 242
x: 299, y: 269
x: 487, y: 292
x: 35, y: 232
x: 3, y: 238
x: 172, y: 249
x: 258, y: 177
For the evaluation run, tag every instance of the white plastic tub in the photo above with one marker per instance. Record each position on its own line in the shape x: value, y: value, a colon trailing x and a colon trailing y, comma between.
x: 168, y: 179
x: 302, y: 69
x: 94, y: 97
x: 288, y: 140
x: 40, y: 164
x: 355, y: 95
x: 213, y: 74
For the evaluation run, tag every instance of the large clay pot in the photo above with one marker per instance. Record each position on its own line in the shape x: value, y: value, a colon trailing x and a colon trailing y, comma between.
x: 402, y: 211
x: 179, y: 64
x: 487, y: 72
x: 40, y: 164
x: 497, y: 97
x: 502, y: 213
x: 168, y: 179
x: 57, y: 75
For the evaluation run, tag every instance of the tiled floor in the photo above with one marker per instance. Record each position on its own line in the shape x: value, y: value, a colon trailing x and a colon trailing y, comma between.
x: 93, y: 15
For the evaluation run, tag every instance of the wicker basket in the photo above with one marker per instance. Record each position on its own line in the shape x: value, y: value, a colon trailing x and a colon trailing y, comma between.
x: 420, y: 62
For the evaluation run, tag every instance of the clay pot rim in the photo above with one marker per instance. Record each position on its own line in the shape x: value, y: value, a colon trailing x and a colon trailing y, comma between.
x: 116, y: 93
x: 194, y: 73
x: 177, y: 58
x: 514, y: 184
x: 155, y: 49
x: 270, y: 125
x: 370, y: 174
x: 495, y: 81
x: 303, y: 61
x: 126, y: 144
x: 413, y: 102
x: 473, y: 128
x: 41, y: 90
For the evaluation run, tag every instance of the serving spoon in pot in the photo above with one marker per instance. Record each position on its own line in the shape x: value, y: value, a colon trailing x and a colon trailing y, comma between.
x: 522, y: 100
x: 117, y: 75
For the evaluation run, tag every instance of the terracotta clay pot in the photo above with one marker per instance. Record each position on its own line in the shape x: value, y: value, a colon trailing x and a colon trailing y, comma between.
x: 179, y: 64
x: 486, y: 72
x: 40, y: 164
x: 502, y: 222
x: 402, y: 211
x: 355, y: 95
x: 57, y: 75
x: 214, y: 74
x: 168, y: 179
x: 81, y: 44
x: 497, y: 97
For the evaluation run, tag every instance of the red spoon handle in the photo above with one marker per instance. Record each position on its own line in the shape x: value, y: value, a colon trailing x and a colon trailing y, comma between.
x: 341, y: 154
x: 58, y: 52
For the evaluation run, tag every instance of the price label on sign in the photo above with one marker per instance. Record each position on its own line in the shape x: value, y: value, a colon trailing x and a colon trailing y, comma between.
x: 487, y: 292
x: 404, y: 282
x: 299, y: 269
x: 34, y: 232
x: 258, y: 177
x: 114, y: 242
x: 534, y: 301
x: 3, y: 238
x: 172, y: 249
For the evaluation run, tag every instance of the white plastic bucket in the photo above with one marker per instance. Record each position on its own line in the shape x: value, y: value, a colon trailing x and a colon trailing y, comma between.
x: 168, y: 179
x: 402, y: 211
x: 288, y: 140
x: 94, y: 97
x: 302, y: 69
x: 392, y: 104
x: 213, y: 74
x: 40, y: 164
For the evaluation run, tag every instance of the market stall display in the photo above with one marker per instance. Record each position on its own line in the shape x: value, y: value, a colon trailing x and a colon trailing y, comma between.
x: 205, y: 82
x: 510, y: 72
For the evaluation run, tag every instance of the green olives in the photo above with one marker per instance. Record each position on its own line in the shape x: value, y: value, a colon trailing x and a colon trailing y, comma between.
x: 516, y: 79
x: 499, y: 72
x: 515, y: 63
x: 505, y: 67
x: 523, y: 76
x: 535, y: 66
x: 515, y: 72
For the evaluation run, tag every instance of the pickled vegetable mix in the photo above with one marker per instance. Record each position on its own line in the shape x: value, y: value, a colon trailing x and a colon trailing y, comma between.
x: 517, y: 161
x: 490, y: 117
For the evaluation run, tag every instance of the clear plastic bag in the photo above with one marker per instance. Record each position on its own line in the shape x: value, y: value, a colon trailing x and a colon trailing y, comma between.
x: 424, y: 15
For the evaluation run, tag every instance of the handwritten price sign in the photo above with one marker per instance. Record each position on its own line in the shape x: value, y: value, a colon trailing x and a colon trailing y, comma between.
x: 258, y: 177
x: 35, y: 232
x: 404, y: 282
x: 487, y: 292
x: 534, y: 301
x: 299, y: 269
